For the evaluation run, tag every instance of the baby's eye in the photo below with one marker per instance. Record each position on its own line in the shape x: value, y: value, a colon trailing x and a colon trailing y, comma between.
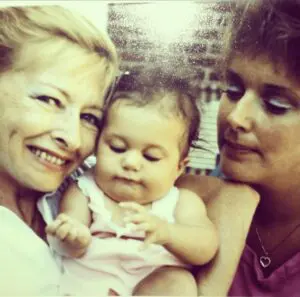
x: 151, y: 158
x: 48, y: 100
x: 277, y: 106
x: 117, y: 149
x: 91, y: 119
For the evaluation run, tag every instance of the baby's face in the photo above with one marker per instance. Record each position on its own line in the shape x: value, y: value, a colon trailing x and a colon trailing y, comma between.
x: 138, y: 157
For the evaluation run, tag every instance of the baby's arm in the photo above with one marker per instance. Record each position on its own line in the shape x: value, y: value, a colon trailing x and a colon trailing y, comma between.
x: 192, y: 237
x: 71, y: 226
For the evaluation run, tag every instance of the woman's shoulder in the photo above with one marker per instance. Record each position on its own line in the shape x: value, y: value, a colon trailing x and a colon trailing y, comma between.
x: 210, y: 187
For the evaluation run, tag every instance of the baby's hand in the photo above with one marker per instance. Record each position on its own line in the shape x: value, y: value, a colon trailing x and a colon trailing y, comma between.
x: 156, y: 229
x: 70, y: 231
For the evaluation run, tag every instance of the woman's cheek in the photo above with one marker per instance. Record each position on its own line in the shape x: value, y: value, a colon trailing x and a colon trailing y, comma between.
x: 89, y: 144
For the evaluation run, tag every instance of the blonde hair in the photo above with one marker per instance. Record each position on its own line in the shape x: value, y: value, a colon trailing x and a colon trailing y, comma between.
x: 43, y: 25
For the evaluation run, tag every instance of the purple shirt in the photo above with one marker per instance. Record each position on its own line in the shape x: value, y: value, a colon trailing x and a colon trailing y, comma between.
x: 250, y: 281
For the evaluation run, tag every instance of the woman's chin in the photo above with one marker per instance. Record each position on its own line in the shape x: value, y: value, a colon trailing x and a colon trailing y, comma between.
x: 46, y: 185
x: 238, y: 172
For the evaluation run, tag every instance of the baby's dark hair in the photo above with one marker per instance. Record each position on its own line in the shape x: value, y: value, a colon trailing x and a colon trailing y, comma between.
x: 173, y: 95
x: 266, y: 27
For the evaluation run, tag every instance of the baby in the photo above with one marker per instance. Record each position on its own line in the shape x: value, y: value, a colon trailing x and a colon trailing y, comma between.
x: 125, y: 218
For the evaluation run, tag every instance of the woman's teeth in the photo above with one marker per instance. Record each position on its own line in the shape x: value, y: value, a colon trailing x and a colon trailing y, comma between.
x: 47, y: 157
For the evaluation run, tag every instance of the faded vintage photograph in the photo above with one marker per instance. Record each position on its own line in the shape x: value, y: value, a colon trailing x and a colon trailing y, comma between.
x: 149, y: 148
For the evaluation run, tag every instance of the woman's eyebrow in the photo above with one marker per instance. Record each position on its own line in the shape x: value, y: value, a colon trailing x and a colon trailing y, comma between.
x: 278, y: 89
x: 55, y: 87
x: 67, y: 96
x: 94, y: 106
x: 232, y: 75
x: 275, y: 87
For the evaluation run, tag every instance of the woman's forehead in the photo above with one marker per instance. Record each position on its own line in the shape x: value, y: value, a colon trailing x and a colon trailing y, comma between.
x: 262, y: 68
x: 56, y: 51
x: 59, y: 61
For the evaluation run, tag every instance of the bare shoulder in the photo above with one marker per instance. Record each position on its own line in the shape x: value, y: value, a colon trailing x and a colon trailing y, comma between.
x: 74, y: 200
x: 188, y: 198
x: 204, y: 186
x: 73, y: 192
x: 190, y: 207
x: 209, y: 187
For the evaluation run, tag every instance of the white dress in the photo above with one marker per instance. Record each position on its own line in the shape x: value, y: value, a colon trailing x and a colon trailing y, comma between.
x: 115, y: 262
x: 28, y: 266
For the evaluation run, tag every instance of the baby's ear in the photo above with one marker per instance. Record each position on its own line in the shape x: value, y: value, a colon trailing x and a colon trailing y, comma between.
x: 182, y: 164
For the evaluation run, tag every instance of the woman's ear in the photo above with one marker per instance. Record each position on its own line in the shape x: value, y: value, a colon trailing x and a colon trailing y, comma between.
x: 182, y: 165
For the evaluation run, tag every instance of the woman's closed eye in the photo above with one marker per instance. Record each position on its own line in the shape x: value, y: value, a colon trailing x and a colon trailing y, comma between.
x: 233, y: 92
x: 277, y: 106
x: 278, y: 101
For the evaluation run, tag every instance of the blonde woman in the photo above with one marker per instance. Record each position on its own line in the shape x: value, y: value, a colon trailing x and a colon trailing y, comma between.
x: 55, y: 70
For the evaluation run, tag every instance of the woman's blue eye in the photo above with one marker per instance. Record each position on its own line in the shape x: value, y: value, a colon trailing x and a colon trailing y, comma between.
x: 49, y: 100
x: 118, y: 150
x: 91, y: 119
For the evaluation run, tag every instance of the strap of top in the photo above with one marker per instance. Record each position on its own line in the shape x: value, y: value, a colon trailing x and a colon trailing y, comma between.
x: 90, y: 189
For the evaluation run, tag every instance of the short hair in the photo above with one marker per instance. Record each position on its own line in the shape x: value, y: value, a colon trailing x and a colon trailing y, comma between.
x: 266, y: 27
x: 38, y: 24
x: 152, y: 86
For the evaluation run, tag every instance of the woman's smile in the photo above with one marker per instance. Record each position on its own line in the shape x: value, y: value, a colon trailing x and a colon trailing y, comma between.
x: 50, y: 159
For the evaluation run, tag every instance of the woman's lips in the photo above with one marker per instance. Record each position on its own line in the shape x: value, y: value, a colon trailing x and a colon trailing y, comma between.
x: 238, y: 146
x: 49, y: 160
x: 239, y: 149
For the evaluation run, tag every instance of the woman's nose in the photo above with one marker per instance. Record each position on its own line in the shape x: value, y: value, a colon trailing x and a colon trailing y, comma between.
x: 131, y: 161
x: 68, y: 134
x: 243, y: 113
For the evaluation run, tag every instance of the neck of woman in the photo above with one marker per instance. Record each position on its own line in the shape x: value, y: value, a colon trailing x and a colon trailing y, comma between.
x: 275, y: 229
x: 278, y: 205
x: 20, y: 200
